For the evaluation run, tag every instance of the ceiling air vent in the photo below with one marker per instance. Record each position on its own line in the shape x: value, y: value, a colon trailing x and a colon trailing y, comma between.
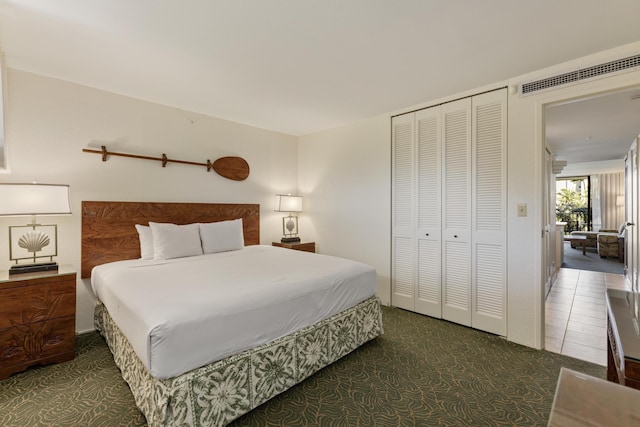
x: 585, y: 73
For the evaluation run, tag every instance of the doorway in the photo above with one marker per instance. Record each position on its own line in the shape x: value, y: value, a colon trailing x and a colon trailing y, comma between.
x: 593, y: 136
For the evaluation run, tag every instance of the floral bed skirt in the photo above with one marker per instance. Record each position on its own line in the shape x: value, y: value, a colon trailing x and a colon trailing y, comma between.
x: 216, y: 394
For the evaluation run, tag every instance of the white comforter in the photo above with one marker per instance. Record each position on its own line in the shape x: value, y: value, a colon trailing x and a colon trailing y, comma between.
x: 184, y: 313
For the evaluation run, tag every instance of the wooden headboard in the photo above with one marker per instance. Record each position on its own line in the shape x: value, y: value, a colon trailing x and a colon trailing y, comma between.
x: 109, y: 233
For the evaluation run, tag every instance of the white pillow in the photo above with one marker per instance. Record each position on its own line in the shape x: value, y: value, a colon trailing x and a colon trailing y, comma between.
x: 175, y: 241
x: 222, y: 236
x: 146, y: 241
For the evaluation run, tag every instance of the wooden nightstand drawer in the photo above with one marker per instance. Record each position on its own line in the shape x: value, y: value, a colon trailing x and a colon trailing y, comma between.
x: 306, y: 247
x: 38, y: 343
x: 37, y: 319
x: 34, y: 303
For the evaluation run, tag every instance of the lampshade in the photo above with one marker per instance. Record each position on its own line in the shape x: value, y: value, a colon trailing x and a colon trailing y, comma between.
x: 34, y: 199
x: 288, y: 203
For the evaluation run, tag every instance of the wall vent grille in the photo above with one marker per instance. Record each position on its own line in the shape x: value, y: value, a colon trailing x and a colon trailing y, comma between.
x: 585, y: 73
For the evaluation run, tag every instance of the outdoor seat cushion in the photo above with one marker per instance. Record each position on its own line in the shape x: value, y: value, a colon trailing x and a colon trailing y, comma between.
x: 608, y: 238
x: 608, y: 244
x: 592, y: 238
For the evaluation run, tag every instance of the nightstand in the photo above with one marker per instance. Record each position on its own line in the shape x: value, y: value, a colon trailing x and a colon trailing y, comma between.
x: 306, y: 247
x: 37, y: 319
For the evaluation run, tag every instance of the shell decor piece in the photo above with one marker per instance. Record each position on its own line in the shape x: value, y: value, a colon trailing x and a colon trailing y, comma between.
x: 291, y: 225
x: 34, y: 241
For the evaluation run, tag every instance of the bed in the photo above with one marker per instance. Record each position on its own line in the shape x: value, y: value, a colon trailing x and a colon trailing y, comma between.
x: 303, y: 312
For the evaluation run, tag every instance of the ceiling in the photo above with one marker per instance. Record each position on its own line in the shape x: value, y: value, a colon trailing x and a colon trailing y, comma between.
x: 594, y: 129
x: 301, y: 66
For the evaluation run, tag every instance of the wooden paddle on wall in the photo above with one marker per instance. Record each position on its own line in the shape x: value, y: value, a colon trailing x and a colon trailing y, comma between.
x: 234, y: 168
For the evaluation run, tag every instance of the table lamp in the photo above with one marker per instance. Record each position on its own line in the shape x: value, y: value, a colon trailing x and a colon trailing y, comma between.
x: 289, y: 203
x: 33, y: 241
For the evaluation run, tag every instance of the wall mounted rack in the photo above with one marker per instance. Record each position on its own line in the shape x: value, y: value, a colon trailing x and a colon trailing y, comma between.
x: 234, y: 168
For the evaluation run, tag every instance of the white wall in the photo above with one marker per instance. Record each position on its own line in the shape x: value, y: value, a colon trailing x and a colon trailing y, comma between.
x: 351, y: 209
x: 344, y: 173
x: 345, y: 179
x: 526, y: 160
x: 49, y: 122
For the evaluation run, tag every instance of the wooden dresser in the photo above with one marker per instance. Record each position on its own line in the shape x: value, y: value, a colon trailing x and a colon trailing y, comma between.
x: 37, y: 319
x: 582, y: 400
x: 623, y: 343
x: 305, y: 246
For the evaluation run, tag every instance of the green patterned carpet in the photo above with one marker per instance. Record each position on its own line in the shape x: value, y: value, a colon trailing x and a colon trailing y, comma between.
x: 421, y: 372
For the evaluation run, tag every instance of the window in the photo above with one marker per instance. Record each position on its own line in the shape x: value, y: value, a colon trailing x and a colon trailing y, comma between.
x: 573, y: 203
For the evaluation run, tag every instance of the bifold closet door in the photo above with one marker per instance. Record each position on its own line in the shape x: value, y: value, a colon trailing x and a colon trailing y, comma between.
x: 489, y: 208
x: 428, y: 205
x: 416, y: 249
x: 456, y: 211
x: 449, y: 211
x: 403, y: 212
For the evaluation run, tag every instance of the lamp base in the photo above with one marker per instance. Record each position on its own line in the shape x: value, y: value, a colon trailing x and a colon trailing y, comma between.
x: 31, y: 268
x: 290, y: 240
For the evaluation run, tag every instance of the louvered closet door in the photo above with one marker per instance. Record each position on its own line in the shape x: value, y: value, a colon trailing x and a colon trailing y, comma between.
x: 628, y: 217
x: 403, y: 212
x: 489, y: 189
x: 632, y: 215
x: 428, y: 231
x: 456, y: 212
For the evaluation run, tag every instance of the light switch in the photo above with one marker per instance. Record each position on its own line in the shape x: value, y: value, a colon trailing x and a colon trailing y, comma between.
x: 522, y: 209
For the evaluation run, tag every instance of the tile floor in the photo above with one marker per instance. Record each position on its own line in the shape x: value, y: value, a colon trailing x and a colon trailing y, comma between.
x: 576, y: 314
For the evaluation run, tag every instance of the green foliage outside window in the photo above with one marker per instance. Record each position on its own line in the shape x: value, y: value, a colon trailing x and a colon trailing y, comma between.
x: 571, y: 207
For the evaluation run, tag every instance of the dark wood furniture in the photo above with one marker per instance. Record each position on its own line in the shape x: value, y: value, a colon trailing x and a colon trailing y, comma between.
x: 306, y: 247
x: 578, y: 240
x: 583, y: 400
x: 37, y: 319
x: 623, y: 343
x: 109, y: 233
